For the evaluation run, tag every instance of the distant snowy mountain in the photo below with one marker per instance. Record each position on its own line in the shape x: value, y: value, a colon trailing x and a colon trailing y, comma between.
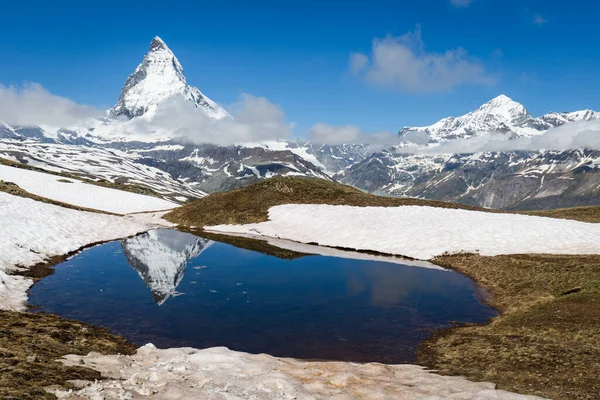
x: 501, y: 115
x: 159, y: 77
x: 561, y: 118
x: 160, y: 257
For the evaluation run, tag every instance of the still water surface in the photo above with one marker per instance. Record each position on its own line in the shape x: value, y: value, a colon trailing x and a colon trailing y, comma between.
x: 175, y: 289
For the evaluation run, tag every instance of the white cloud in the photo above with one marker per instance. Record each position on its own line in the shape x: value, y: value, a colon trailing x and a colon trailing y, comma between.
x: 539, y: 20
x: 461, y: 3
x: 255, y: 119
x: 569, y: 136
x: 330, y: 134
x: 31, y: 104
x: 349, y: 134
x: 358, y: 62
x: 403, y: 64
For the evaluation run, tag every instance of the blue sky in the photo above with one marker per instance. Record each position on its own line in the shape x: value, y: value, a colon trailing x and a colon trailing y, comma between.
x: 544, y: 54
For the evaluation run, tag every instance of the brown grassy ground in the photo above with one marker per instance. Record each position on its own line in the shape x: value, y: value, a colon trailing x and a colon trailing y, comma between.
x: 30, y: 344
x: 545, y: 342
x: 584, y: 214
x: 251, y: 203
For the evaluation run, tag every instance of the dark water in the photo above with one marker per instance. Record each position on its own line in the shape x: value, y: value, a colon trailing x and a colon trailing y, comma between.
x: 175, y: 289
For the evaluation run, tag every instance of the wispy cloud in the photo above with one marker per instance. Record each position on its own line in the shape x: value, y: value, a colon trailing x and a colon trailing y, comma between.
x: 461, y: 3
x: 585, y: 134
x: 32, y: 105
x: 255, y: 119
x: 349, y: 134
x: 403, y: 64
x: 539, y: 20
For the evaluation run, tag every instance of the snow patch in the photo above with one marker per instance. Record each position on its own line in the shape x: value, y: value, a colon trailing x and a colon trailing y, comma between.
x: 422, y: 232
x: 78, y: 193
x: 32, y: 231
x: 220, y: 373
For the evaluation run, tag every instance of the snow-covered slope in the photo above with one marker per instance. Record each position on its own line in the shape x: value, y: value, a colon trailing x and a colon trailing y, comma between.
x: 160, y: 256
x: 422, y: 232
x: 159, y: 77
x: 98, y: 163
x: 32, y: 231
x: 501, y: 115
x: 81, y: 194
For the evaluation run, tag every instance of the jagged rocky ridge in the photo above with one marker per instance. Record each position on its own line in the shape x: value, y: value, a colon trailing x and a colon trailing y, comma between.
x: 519, y: 180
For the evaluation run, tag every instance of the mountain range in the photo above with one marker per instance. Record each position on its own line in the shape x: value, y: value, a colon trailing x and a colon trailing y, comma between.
x: 501, y: 115
x: 112, y: 148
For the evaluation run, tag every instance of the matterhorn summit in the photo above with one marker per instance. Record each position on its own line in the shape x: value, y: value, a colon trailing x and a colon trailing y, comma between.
x: 160, y: 77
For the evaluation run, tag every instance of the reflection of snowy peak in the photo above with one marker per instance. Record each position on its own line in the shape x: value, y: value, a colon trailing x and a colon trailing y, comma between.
x: 159, y: 77
x: 160, y: 257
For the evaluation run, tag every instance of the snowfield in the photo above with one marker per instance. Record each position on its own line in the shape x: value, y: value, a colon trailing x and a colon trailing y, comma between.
x: 78, y: 193
x: 422, y: 232
x: 32, y: 231
x: 219, y: 373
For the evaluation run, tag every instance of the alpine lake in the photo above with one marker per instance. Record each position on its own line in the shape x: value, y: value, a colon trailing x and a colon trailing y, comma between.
x: 178, y: 289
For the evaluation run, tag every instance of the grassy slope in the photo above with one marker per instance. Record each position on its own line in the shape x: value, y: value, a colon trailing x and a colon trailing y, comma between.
x: 545, y: 342
x: 251, y: 203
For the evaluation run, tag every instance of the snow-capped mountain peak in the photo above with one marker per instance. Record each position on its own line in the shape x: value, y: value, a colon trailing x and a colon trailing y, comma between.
x: 491, y: 115
x: 500, y: 115
x: 505, y: 107
x: 159, y: 77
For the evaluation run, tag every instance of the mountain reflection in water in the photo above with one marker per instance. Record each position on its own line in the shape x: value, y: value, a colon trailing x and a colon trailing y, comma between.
x: 160, y: 257
x: 338, y: 306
